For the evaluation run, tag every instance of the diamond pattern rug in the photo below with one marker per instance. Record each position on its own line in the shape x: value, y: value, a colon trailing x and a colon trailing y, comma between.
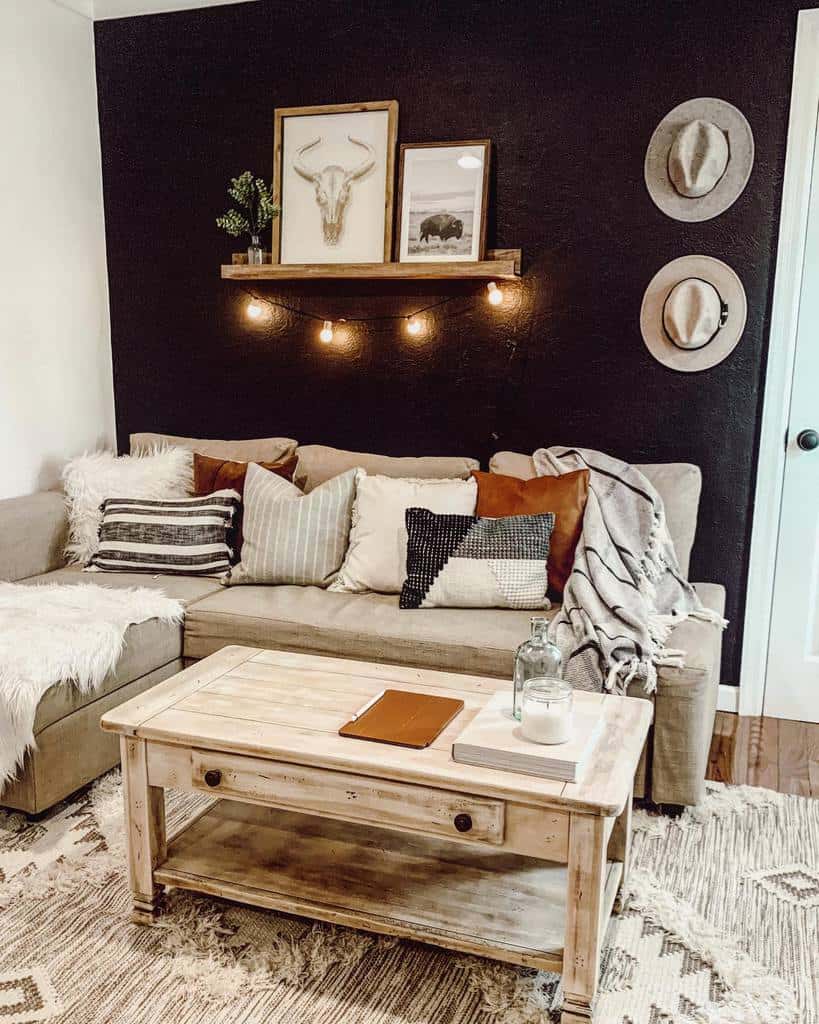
x: 722, y: 926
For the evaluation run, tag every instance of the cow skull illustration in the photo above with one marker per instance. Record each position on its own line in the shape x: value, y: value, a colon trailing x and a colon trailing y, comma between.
x: 332, y: 184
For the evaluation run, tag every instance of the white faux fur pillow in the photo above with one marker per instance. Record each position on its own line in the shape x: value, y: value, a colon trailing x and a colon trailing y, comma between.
x: 377, y: 555
x: 91, y: 478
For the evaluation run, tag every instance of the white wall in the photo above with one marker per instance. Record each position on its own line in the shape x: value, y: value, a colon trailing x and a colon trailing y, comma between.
x: 56, y: 388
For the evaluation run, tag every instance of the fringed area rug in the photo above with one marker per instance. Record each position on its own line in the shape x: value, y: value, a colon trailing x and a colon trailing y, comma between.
x: 722, y: 925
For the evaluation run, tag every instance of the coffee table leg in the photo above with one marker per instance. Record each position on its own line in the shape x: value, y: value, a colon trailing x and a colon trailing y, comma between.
x: 620, y: 847
x: 144, y: 827
x: 584, y: 928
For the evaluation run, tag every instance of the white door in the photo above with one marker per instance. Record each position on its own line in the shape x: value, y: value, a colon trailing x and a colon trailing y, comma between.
x: 792, y: 680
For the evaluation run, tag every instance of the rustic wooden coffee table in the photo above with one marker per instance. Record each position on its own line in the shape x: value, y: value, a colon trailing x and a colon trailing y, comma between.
x: 402, y: 842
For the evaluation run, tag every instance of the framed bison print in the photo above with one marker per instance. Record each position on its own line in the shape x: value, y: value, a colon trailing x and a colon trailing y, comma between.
x: 442, y: 201
x: 333, y: 171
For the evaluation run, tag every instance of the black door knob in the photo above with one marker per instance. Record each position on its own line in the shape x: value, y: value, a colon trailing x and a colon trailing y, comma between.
x: 213, y: 777
x: 463, y: 822
x: 808, y: 440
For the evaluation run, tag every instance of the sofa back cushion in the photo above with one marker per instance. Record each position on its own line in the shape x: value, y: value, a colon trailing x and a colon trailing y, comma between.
x: 318, y: 463
x: 678, y: 484
x: 33, y: 534
x: 260, y: 449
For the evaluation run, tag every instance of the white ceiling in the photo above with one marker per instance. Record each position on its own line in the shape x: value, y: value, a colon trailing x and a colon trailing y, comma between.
x: 102, y: 9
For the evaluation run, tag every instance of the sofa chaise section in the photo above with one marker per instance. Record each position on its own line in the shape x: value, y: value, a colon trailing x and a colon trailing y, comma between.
x: 71, y: 751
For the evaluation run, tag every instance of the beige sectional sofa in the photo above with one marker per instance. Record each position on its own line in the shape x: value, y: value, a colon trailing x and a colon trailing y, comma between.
x: 71, y: 750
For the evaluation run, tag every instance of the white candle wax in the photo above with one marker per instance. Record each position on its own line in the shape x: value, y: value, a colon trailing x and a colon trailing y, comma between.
x: 546, y: 721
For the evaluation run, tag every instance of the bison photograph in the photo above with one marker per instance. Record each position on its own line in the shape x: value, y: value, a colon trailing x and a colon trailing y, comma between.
x: 443, y: 193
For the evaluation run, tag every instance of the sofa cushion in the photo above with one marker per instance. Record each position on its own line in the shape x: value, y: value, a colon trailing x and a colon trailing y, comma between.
x: 148, y: 645
x: 318, y: 463
x: 260, y: 449
x: 184, y: 588
x: 678, y: 484
x: 33, y: 534
x: 370, y: 627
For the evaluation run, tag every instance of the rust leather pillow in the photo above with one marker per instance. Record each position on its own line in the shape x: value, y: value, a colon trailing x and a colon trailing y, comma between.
x: 211, y: 475
x: 500, y: 496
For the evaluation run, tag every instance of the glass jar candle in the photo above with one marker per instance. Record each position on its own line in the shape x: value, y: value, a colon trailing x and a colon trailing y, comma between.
x: 546, y: 711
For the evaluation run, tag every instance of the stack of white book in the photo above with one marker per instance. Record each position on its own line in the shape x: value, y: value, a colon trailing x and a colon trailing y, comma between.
x: 493, y: 739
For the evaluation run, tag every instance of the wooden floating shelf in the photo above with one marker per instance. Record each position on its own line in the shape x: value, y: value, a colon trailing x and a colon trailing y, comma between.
x: 499, y: 265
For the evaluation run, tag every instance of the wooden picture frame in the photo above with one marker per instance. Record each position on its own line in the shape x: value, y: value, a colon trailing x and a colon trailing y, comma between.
x: 384, y: 166
x: 450, y: 183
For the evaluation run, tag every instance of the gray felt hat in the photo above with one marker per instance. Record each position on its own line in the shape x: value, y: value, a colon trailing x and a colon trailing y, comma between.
x: 699, y: 159
x: 693, y: 313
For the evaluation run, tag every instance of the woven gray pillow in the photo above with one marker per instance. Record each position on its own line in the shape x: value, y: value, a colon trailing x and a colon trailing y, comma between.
x: 290, y: 537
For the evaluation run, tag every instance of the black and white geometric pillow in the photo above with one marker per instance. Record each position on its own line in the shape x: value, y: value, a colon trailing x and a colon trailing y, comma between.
x: 181, y: 536
x: 472, y: 562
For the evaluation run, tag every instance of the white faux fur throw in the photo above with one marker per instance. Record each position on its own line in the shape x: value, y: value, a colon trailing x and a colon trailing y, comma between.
x: 57, y: 633
x: 91, y: 478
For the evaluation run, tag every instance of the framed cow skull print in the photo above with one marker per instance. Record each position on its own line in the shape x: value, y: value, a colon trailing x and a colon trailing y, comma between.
x: 442, y: 201
x: 333, y: 172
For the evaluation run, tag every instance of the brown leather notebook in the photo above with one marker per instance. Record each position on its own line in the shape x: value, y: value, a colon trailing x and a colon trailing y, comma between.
x: 404, y: 719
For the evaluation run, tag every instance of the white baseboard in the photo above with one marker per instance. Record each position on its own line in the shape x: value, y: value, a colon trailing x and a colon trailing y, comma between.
x: 728, y: 698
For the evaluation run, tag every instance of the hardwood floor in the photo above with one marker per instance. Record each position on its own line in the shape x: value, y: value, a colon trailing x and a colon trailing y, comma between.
x: 768, y: 752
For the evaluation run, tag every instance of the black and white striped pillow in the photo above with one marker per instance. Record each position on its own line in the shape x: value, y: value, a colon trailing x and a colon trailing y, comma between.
x: 179, y: 536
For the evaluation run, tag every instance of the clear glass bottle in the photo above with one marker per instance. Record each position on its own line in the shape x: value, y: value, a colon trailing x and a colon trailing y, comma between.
x: 255, y: 253
x: 536, y: 656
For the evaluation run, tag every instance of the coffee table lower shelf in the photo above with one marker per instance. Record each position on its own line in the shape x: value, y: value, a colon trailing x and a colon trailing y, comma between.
x: 465, y: 897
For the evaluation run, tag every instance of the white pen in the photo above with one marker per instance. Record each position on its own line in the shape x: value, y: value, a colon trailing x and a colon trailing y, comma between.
x: 368, y: 705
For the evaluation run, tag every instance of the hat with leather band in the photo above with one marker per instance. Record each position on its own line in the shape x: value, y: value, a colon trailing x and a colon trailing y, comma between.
x: 693, y: 313
x: 699, y: 159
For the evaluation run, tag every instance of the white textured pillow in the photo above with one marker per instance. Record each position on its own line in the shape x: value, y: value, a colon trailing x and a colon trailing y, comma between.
x: 91, y: 478
x: 377, y: 555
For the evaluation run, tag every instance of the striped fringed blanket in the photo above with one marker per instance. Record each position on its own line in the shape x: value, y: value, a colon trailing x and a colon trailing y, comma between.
x: 625, y: 592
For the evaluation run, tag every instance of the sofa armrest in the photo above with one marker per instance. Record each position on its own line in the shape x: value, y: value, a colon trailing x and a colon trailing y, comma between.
x: 33, y: 533
x: 686, y: 705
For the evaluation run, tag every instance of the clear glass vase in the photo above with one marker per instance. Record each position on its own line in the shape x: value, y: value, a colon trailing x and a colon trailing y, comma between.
x: 255, y: 252
x: 536, y: 657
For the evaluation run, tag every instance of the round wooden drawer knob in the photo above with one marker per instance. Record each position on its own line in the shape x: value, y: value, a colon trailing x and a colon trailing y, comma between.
x: 463, y: 822
x: 213, y: 777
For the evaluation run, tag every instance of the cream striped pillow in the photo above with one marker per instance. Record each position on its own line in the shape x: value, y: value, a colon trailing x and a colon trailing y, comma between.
x: 290, y: 537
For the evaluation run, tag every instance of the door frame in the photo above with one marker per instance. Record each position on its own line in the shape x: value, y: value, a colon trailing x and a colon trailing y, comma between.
x: 802, y: 127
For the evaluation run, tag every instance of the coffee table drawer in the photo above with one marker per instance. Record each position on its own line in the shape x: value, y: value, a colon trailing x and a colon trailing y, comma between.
x: 344, y: 795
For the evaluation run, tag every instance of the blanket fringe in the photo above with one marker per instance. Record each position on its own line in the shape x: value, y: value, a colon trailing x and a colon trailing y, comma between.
x: 708, y: 615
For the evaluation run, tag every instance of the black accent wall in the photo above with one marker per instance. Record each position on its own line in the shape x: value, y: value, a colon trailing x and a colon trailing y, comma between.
x: 569, y: 92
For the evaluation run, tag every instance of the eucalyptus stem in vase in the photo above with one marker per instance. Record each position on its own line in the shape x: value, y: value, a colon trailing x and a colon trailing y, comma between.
x: 256, y: 209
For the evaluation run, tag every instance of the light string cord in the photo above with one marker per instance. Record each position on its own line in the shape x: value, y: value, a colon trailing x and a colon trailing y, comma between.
x: 307, y: 315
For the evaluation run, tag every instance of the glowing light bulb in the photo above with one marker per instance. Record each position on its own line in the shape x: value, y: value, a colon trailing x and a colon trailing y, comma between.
x: 495, y: 295
x: 468, y: 161
x: 326, y: 333
x: 254, y: 310
x: 413, y: 326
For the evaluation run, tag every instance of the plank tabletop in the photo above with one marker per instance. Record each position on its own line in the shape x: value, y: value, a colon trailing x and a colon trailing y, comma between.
x: 289, y: 706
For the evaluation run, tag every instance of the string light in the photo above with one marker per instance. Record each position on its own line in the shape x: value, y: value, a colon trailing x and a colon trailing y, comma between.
x: 415, y: 323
